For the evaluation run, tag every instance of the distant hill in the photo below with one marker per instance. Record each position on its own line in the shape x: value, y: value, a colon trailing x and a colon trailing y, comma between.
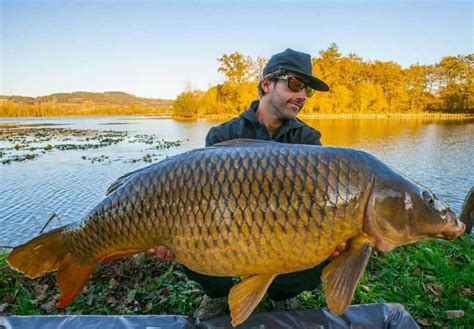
x: 79, y: 97
x: 82, y: 103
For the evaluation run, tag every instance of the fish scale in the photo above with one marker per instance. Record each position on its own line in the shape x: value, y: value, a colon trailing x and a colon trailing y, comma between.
x: 242, y: 190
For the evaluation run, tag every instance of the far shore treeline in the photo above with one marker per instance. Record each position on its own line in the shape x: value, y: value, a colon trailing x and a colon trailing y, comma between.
x: 358, y: 87
x: 82, y: 103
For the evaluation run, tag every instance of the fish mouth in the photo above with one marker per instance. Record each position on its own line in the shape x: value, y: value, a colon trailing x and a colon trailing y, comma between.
x: 454, y: 230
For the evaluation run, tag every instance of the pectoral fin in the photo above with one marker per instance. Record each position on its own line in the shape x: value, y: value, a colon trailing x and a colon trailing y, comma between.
x: 341, y: 275
x: 246, y: 295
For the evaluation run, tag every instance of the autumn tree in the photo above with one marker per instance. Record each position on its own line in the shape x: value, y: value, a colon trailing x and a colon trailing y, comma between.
x: 187, y: 104
x: 240, y: 87
x: 237, y: 68
x: 455, y: 74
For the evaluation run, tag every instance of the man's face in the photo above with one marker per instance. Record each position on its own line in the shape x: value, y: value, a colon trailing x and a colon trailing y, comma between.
x: 284, y: 102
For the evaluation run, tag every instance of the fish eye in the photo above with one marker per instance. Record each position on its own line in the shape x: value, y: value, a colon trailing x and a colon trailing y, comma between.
x: 428, y: 198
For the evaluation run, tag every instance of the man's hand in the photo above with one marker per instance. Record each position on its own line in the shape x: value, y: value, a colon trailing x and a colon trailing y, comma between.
x: 162, y: 253
x: 339, y: 250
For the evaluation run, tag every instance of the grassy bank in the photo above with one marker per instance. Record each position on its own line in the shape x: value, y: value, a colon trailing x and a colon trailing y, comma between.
x: 433, y: 280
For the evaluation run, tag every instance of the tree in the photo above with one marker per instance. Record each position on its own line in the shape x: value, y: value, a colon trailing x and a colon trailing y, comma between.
x: 327, y: 65
x: 187, y: 104
x: 455, y: 74
x: 369, y: 98
x: 209, y: 103
x: 237, y: 68
x: 259, y: 64
x: 418, y: 89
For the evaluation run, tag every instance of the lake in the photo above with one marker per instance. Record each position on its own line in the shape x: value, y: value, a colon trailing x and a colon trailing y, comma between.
x: 68, y: 181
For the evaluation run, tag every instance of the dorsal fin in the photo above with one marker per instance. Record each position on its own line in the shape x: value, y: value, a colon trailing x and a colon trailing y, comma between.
x: 245, y: 141
x: 121, y: 180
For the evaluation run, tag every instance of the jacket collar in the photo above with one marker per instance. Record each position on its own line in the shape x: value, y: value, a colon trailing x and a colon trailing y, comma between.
x: 249, y: 115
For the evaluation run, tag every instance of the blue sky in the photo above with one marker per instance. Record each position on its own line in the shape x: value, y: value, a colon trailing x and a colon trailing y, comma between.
x: 159, y: 48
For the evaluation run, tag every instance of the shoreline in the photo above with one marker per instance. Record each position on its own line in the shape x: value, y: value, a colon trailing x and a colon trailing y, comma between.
x: 389, y: 116
x: 405, y: 116
x: 356, y: 116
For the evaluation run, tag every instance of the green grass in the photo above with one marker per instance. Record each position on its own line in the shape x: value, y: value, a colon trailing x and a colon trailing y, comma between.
x: 137, y: 285
x: 428, y: 278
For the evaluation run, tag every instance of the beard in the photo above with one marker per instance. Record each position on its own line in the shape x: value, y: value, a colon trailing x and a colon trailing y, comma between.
x: 285, y: 108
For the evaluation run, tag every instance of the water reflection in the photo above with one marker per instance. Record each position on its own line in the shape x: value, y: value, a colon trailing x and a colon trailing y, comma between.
x: 356, y: 132
x: 437, y: 154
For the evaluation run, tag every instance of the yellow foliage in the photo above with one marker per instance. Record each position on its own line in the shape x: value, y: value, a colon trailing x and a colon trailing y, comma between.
x: 357, y: 86
x: 81, y: 103
x: 187, y: 104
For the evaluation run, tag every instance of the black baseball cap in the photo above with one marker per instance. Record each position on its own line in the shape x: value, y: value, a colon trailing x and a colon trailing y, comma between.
x: 298, y: 63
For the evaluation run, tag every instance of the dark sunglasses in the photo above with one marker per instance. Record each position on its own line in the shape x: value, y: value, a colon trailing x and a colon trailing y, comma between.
x: 297, y: 85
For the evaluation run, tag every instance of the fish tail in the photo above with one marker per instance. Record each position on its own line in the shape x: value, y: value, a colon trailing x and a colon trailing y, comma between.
x: 40, y: 255
x: 47, y: 253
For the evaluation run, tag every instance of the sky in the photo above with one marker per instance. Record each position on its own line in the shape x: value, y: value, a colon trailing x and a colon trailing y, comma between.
x: 158, y: 49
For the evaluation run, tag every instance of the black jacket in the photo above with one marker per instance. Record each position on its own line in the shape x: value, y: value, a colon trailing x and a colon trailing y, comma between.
x: 247, y: 126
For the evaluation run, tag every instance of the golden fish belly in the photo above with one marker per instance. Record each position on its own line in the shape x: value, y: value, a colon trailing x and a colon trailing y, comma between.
x: 285, y: 241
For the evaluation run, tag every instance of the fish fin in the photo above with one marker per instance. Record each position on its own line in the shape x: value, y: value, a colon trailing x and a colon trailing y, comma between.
x: 119, y: 254
x: 72, y: 276
x: 244, y: 141
x: 341, y: 275
x: 246, y: 295
x: 121, y: 181
x: 40, y: 255
x: 46, y: 253
x: 467, y: 211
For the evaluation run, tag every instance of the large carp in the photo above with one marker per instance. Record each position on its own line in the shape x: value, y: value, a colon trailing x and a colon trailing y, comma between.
x: 252, y: 209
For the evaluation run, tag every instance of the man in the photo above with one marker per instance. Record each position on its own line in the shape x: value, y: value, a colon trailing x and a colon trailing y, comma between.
x: 286, y: 83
